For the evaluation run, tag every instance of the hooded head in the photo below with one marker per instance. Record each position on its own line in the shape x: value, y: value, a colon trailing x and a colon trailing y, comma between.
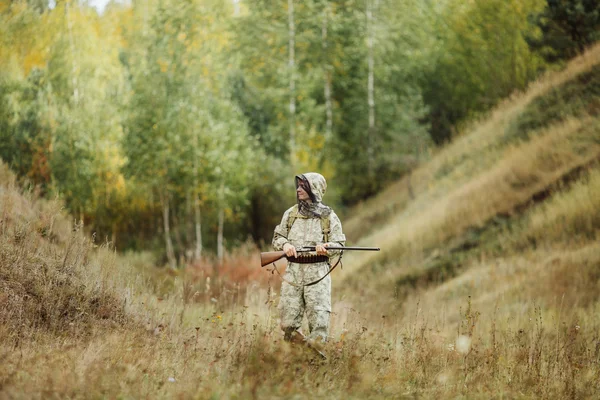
x: 316, y: 185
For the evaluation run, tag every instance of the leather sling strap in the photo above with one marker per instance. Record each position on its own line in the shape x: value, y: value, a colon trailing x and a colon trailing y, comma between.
x: 326, y: 230
x: 339, y: 260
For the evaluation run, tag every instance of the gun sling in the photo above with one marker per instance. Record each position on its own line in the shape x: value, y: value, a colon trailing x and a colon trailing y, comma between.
x: 326, y: 258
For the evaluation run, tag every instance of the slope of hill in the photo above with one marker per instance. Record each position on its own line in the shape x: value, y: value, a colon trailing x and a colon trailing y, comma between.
x: 507, y: 215
x: 48, y: 282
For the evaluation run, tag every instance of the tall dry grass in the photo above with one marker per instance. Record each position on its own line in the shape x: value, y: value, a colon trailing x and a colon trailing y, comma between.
x: 569, y: 216
x: 428, y: 225
x: 510, y: 224
x: 100, y: 328
x: 519, y: 318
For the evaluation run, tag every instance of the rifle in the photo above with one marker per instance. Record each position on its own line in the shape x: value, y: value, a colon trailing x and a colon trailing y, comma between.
x: 270, y: 257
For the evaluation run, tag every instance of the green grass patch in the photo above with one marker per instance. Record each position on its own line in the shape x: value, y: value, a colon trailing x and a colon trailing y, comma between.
x: 575, y: 98
x: 459, y: 253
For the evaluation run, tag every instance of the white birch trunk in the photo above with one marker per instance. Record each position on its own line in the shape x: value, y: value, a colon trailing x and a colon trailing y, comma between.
x: 198, y: 224
x: 73, y: 61
x: 197, y: 216
x: 370, y: 86
x: 327, y: 77
x: 221, y: 222
x: 220, y: 251
x: 292, y: 72
x: 168, y: 243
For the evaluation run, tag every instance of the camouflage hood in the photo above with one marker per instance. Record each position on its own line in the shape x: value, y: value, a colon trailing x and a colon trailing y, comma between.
x: 318, y: 186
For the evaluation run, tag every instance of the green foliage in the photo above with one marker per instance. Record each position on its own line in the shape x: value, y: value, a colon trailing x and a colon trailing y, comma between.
x: 24, y: 131
x: 568, y: 27
x: 201, y: 108
x: 574, y: 98
x: 86, y: 83
x: 485, y: 57
x: 262, y: 36
x: 185, y: 140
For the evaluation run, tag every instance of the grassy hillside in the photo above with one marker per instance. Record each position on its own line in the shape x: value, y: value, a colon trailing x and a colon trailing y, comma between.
x: 505, y: 221
x: 487, y: 285
x: 479, y: 192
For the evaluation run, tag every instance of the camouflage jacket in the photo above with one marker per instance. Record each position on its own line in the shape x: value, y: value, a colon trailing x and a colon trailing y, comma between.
x: 307, y: 231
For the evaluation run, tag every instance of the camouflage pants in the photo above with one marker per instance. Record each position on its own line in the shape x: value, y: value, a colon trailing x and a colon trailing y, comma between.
x: 314, y: 300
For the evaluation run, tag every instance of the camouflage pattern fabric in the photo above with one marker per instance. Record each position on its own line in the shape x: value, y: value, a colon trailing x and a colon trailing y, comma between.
x: 314, y: 300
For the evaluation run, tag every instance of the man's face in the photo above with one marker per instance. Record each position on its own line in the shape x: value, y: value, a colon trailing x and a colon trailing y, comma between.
x: 301, y: 192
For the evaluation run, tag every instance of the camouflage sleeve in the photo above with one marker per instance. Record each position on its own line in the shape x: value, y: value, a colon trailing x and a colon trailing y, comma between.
x: 336, y: 236
x: 281, y: 232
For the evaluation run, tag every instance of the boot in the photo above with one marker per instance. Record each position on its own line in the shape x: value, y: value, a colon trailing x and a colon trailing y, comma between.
x: 298, y: 337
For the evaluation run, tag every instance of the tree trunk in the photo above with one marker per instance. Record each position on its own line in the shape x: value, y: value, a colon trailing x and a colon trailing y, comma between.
x: 220, y: 236
x: 176, y: 232
x: 327, y: 77
x: 221, y: 222
x: 370, y: 87
x: 198, y: 224
x: 292, y: 72
x: 72, y: 45
x: 164, y: 199
x: 197, y: 216
x: 113, y: 236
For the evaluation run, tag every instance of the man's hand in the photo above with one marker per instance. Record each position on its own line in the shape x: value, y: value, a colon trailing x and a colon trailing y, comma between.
x: 321, y: 249
x: 289, y: 250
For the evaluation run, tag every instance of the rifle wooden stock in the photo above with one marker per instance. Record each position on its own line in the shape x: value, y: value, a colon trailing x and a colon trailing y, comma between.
x: 269, y: 257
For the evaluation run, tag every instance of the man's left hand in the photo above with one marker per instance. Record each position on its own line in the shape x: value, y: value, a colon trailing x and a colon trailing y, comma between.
x: 321, y: 249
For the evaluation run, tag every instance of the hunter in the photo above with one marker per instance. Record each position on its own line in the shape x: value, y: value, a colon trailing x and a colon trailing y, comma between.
x: 307, y: 223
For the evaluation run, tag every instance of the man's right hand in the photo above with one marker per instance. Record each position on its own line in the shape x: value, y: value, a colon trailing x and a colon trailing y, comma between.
x: 289, y: 250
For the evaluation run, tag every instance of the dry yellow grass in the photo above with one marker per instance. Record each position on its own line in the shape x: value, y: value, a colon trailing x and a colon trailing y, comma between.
x: 569, y: 215
x: 141, y: 345
x: 544, y: 263
x: 524, y: 171
x: 520, y: 320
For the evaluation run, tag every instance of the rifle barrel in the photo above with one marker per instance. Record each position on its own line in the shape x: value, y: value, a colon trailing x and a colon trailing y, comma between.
x: 312, y: 248
x: 272, y: 256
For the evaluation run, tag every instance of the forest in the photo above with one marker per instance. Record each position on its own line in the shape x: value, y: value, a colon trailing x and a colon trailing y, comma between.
x: 177, y: 126
x: 148, y: 149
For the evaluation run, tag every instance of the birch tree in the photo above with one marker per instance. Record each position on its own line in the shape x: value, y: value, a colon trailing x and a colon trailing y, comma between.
x: 327, y: 73
x: 196, y: 198
x: 370, y: 88
x: 156, y: 140
x: 292, y: 74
